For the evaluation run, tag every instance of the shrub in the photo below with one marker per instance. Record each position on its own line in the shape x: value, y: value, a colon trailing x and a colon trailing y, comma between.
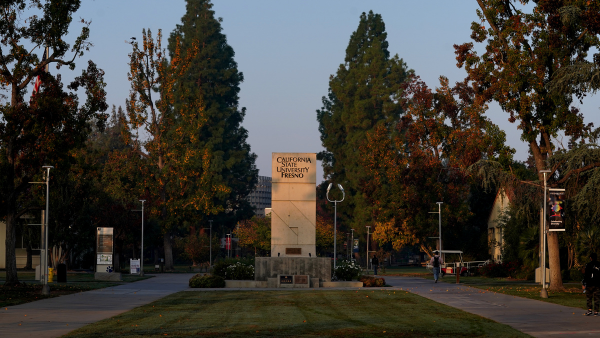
x: 220, y: 268
x: 493, y: 270
x: 369, y: 281
x: 346, y: 270
x: 239, y: 271
x: 576, y: 274
x: 199, y: 281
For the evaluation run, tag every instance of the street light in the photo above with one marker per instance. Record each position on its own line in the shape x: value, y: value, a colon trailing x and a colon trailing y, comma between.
x: 368, y: 233
x: 335, y: 202
x: 544, y: 292
x: 142, y: 249
x: 44, y: 251
x: 440, y: 225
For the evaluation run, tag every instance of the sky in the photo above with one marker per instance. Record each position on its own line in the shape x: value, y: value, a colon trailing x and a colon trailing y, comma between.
x: 287, y: 51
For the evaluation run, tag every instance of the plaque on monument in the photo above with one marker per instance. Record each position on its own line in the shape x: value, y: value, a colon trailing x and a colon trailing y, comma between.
x: 293, y: 251
x: 300, y: 279
x: 286, y: 280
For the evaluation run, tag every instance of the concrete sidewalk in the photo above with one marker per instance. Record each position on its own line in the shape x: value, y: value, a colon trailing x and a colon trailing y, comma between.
x: 57, y: 316
x: 537, y: 318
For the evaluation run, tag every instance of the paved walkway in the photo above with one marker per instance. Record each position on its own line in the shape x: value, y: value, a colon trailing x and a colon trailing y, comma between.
x: 57, y: 316
x: 537, y: 318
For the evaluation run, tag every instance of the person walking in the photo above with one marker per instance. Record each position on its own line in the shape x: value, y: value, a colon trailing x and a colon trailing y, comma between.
x: 592, y: 285
x: 436, y: 262
x: 375, y: 264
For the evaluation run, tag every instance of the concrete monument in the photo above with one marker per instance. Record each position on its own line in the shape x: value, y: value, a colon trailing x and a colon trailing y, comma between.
x: 293, y: 205
x: 293, y: 225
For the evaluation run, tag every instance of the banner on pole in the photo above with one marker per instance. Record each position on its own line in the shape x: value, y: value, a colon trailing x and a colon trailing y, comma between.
x: 556, y: 209
x: 355, y: 246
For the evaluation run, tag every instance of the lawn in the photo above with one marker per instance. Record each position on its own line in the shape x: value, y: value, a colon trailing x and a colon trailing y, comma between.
x: 412, y: 271
x: 30, y: 289
x: 572, y: 296
x: 324, y: 313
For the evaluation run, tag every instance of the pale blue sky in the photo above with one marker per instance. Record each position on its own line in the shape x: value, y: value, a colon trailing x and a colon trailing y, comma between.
x: 288, y: 49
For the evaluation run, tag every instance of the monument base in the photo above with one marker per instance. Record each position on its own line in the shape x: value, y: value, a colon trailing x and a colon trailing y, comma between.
x: 271, y: 267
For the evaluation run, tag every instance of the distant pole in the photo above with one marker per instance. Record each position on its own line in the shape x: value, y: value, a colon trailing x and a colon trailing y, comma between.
x: 335, y: 202
x: 440, y: 225
x: 45, y: 286
x: 352, y: 250
x: 142, y: 250
x: 368, y: 233
x: 210, y: 243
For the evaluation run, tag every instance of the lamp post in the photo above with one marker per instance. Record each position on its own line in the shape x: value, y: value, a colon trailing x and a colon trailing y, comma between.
x: 368, y: 233
x: 44, y: 251
x: 142, y: 249
x: 335, y: 202
x: 439, y: 212
x: 544, y: 292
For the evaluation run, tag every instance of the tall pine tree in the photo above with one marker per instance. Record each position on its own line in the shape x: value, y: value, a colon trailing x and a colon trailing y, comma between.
x: 363, y: 94
x: 213, y: 79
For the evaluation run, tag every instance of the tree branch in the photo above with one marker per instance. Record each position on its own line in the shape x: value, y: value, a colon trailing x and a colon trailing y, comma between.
x: 577, y: 171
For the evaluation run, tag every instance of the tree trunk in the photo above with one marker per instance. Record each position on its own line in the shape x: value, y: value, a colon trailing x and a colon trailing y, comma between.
x: 556, y: 283
x: 168, y: 252
x: 11, y: 258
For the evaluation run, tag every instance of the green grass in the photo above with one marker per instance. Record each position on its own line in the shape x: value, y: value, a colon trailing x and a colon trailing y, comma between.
x: 365, y: 313
x: 30, y: 289
x: 572, y: 296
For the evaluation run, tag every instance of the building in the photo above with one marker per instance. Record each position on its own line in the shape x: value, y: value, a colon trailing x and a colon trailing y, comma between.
x: 20, y: 250
x: 495, y: 234
x: 260, y: 198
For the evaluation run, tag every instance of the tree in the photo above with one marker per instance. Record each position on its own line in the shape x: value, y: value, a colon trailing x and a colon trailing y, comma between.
x: 213, y: 79
x: 324, y: 236
x: 181, y: 180
x: 30, y: 136
x: 423, y: 159
x: 363, y: 96
x: 523, y: 52
x: 254, y: 233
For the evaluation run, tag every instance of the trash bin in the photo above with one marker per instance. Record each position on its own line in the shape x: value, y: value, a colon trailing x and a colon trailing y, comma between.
x: 61, y: 273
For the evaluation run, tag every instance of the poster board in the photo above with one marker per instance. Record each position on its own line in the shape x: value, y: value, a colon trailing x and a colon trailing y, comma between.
x: 555, y: 210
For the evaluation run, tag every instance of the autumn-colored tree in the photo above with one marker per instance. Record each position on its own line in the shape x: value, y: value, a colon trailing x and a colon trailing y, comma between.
x: 254, y: 234
x: 182, y: 182
x: 423, y: 160
x: 523, y: 52
x: 196, y: 245
x: 31, y: 136
x: 324, y: 236
x: 363, y: 96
